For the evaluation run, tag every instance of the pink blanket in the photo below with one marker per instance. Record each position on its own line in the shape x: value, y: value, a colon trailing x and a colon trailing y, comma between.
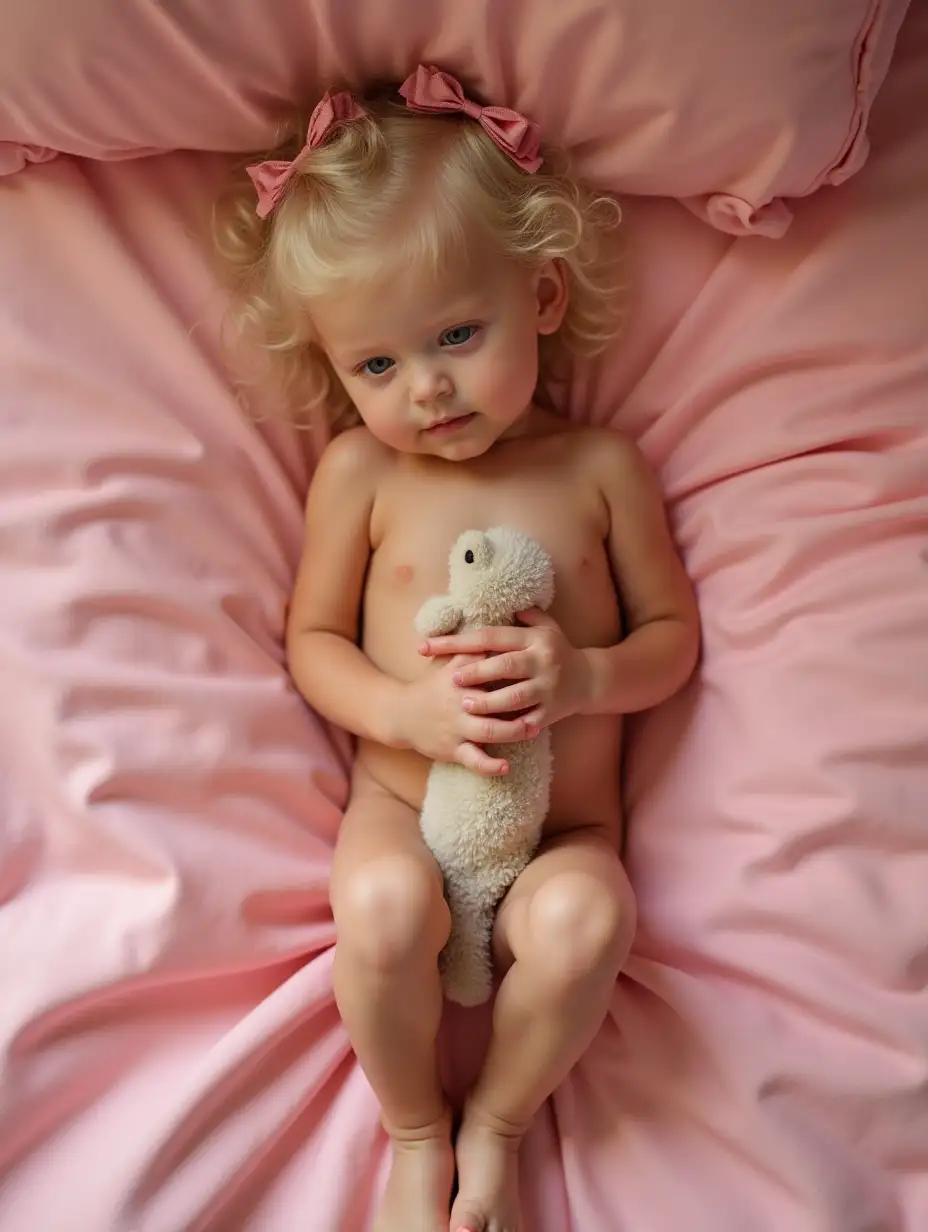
x: 172, y: 1057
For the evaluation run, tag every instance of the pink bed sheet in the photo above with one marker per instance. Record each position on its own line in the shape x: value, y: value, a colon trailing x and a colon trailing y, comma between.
x: 172, y: 1058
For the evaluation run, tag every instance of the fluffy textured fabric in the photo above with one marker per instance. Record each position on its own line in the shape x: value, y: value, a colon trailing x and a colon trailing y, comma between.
x: 483, y: 831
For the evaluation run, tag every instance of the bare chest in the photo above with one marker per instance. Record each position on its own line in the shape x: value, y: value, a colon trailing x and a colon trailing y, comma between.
x: 419, y: 520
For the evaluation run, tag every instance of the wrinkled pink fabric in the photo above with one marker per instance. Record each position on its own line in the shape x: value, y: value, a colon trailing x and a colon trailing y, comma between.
x: 172, y: 1058
x: 730, y: 105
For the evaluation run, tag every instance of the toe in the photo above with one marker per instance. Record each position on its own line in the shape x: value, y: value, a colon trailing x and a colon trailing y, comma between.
x: 466, y: 1219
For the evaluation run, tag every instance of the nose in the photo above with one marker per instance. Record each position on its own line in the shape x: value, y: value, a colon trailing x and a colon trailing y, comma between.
x: 429, y: 384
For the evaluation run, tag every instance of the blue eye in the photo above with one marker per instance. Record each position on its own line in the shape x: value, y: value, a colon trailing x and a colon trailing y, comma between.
x: 457, y: 335
x: 377, y: 366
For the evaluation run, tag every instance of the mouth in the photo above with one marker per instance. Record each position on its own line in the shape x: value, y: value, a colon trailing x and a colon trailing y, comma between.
x: 451, y: 423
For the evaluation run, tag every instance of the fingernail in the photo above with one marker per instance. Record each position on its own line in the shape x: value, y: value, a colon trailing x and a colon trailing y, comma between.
x: 468, y: 703
x: 504, y: 768
x: 424, y: 648
x: 457, y: 678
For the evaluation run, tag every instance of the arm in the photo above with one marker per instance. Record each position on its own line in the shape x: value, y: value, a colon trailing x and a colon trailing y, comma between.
x: 327, y: 665
x: 659, y: 654
x: 552, y: 678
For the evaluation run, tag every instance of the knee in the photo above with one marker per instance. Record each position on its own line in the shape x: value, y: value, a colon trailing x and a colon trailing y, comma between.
x: 582, y: 926
x: 391, y: 909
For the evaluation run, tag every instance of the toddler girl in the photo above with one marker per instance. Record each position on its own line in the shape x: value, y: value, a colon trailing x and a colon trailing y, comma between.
x: 418, y: 266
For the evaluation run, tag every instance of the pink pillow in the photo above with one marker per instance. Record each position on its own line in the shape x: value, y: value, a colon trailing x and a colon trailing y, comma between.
x: 728, y: 105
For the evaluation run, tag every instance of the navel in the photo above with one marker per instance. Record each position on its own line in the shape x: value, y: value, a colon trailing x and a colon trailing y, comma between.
x: 404, y: 574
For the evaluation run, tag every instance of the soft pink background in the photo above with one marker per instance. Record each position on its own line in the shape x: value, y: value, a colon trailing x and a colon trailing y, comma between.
x: 729, y: 104
x: 172, y: 1059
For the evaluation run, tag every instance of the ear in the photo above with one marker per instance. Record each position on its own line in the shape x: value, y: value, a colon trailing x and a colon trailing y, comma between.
x: 551, y: 295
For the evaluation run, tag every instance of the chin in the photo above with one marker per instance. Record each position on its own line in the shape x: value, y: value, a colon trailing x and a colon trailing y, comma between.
x: 464, y: 450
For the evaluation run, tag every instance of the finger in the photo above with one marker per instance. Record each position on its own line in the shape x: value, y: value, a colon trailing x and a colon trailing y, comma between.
x: 463, y: 660
x: 512, y: 665
x: 488, y: 730
x: 472, y: 757
x: 534, y: 617
x: 495, y: 640
x: 536, y: 720
x: 504, y: 701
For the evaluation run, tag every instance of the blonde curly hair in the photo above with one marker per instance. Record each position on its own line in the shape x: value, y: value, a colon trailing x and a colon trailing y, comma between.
x: 426, y: 182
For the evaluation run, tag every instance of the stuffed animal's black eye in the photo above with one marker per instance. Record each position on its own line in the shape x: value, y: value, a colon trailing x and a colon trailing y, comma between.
x: 469, y: 557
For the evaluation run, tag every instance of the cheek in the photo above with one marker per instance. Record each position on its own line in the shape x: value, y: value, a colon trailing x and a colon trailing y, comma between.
x: 378, y: 409
x: 511, y: 370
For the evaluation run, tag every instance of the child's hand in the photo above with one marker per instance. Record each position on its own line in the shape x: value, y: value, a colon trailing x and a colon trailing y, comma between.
x: 552, y: 677
x: 432, y: 720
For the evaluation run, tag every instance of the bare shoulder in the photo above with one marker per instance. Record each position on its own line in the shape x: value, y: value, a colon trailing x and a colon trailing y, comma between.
x: 354, y: 457
x: 609, y: 443
x: 348, y: 476
x: 605, y: 457
x: 610, y: 457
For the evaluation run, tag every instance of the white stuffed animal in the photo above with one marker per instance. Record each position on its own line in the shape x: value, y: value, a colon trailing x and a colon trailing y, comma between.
x: 483, y: 831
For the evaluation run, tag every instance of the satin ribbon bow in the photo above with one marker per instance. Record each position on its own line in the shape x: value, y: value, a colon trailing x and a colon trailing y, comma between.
x: 271, y: 178
x: 430, y: 89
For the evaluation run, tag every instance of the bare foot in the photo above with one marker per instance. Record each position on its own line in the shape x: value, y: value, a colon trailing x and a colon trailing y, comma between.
x: 488, y: 1179
x: 418, y: 1191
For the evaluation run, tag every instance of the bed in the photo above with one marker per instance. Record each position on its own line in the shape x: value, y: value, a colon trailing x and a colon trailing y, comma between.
x: 172, y: 1056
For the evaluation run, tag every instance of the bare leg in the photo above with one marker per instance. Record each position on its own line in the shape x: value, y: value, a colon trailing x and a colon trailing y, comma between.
x: 392, y: 922
x: 564, y: 930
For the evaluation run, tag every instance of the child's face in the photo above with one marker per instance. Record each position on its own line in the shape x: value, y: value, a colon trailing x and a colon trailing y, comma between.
x: 443, y: 364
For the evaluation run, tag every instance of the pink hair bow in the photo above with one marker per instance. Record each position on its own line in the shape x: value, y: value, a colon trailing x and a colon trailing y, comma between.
x: 430, y: 89
x: 271, y: 178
